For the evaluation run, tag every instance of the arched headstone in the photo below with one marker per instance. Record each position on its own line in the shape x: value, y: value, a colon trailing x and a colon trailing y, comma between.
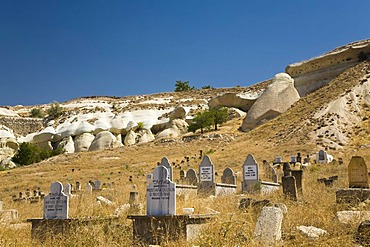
x: 192, y: 177
x: 56, y: 203
x: 228, y: 176
x: 250, y: 182
x: 166, y: 163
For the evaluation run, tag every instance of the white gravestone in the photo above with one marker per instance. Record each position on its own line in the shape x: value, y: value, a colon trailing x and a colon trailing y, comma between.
x: 88, y: 188
x: 166, y: 163
x: 206, y: 170
x: 67, y: 189
x: 56, y: 203
x: 161, y: 194
x: 250, y: 175
x: 278, y: 160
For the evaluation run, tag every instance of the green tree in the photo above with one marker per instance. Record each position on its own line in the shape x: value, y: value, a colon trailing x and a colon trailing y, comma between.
x: 219, y: 116
x: 182, y: 86
x: 55, y: 110
x: 37, y: 112
x: 201, y: 121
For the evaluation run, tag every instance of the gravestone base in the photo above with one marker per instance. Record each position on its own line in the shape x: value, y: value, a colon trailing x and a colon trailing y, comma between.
x: 154, y: 230
x: 216, y: 189
x: 44, y: 228
x: 352, y: 196
x: 186, y: 191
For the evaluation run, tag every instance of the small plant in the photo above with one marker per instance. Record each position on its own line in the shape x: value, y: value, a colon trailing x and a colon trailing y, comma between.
x: 55, y: 110
x: 140, y: 125
x: 207, y: 87
x: 37, y: 113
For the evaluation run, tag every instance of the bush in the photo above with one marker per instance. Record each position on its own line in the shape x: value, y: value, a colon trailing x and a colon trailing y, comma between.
x: 29, y: 153
x: 55, y: 110
x: 182, y: 86
x: 37, y: 113
x: 207, y: 118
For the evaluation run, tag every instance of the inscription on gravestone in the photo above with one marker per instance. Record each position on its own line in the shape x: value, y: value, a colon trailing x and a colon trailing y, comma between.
x: 206, y: 170
x: 161, y: 194
x: 250, y: 175
x: 56, y: 203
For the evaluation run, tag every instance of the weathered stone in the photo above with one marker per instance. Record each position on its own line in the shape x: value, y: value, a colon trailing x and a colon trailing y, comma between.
x: 289, y: 187
x: 268, y: 226
x: 104, y: 140
x: 352, y: 196
x: 311, y: 231
x: 357, y: 173
x: 130, y: 138
x: 352, y: 217
x: 83, y: 142
x: 178, y: 113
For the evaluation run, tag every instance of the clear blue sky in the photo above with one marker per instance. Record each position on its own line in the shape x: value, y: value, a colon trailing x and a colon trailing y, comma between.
x: 56, y: 50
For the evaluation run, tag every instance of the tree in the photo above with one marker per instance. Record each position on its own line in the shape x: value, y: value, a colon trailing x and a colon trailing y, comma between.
x: 219, y: 116
x: 55, y: 110
x: 29, y: 153
x: 182, y: 86
x: 201, y: 121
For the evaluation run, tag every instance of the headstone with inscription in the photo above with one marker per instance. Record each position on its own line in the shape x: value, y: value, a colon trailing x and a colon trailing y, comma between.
x: 56, y: 203
x: 228, y: 176
x: 192, y: 177
x: 357, y: 173
x: 278, y: 159
x: 161, y: 194
x: 166, y: 163
x: 321, y: 157
x: 206, y: 177
x: 250, y: 182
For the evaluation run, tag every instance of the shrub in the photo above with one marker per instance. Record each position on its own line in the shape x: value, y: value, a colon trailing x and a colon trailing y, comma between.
x: 207, y: 118
x: 55, y: 110
x: 182, y: 86
x: 29, y: 153
x: 219, y: 116
x: 140, y: 125
x: 37, y: 113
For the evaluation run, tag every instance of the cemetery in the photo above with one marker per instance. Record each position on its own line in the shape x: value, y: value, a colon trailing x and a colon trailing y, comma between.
x: 184, y: 206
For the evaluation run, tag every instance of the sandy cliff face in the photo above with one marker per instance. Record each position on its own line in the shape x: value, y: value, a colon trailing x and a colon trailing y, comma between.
x: 317, y: 72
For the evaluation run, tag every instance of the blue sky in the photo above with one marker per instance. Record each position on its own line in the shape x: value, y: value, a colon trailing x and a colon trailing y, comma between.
x: 59, y: 50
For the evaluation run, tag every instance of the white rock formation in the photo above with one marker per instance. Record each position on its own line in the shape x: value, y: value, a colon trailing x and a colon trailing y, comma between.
x: 44, y: 135
x: 174, y: 128
x: 276, y: 99
x: 83, y: 142
x: 67, y: 144
x: 130, y: 138
x: 178, y: 113
x: 145, y: 136
x: 241, y: 101
x: 103, y: 140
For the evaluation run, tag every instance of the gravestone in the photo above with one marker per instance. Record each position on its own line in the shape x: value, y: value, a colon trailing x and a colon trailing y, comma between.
x: 78, y: 186
x: 228, y: 176
x: 278, y: 160
x: 298, y: 175
x: 67, y: 189
x: 182, y: 175
x: 274, y: 176
x: 357, y: 173
x: 206, y: 177
x: 88, y: 188
x: 268, y: 226
x: 56, y: 203
x: 192, y: 177
x: 250, y: 182
x: 161, y: 194
x: 266, y: 169
x: 293, y: 159
x: 149, y: 178
x: 166, y: 163
x: 289, y: 187
x: 321, y: 157
x: 299, y: 158
x: 97, y: 185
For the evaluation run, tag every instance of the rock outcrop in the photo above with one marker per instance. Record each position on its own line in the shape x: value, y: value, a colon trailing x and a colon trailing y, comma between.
x: 104, y: 140
x: 276, y: 99
x: 241, y: 101
x: 316, y: 72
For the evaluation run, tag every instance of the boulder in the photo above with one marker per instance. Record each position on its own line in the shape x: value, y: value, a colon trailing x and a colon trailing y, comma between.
x: 101, y: 125
x: 178, y: 113
x: 276, y: 99
x: 44, y: 135
x: 84, y: 127
x: 241, y: 101
x: 145, y: 136
x: 174, y: 128
x: 118, y: 125
x: 235, y: 113
x: 7, y: 164
x: 67, y: 144
x: 83, y: 142
x: 130, y: 138
x: 103, y: 140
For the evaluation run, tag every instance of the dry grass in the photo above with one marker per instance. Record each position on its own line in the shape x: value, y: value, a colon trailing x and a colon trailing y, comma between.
x: 284, y: 136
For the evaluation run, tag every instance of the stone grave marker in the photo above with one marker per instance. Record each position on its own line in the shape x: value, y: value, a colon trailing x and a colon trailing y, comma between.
x: 182, y: 175
x: 78, y: 186
x: 268, y: 226
x: 192, y: 177
x: 321, y: 157
x: 166, y: 163
x: 97, y: 185
x: 67, y: 189
x: 149, y: 178
x: 228, y: 176
x: 250, y: 182
x: 299, y: 158
x: 278, y: 160
x: 266, y: 169
x: 357, y: 173
x: 88, y: 187
x: 161, y: 194
x: 56, y: 203
x: 293, y: 159
x: 298, y: 175
x: 206, y: 176
x: 274, y: 176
